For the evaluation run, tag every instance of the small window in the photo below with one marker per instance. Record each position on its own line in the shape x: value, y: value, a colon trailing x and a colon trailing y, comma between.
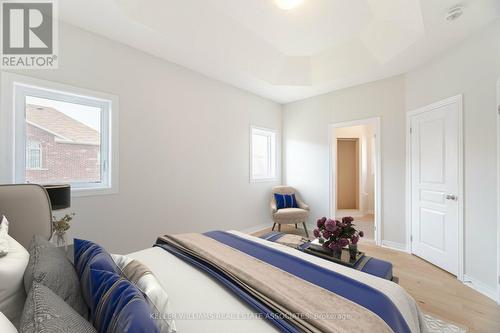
x: 34, y: 155
x: 63, y: 137
x: 263, y: 154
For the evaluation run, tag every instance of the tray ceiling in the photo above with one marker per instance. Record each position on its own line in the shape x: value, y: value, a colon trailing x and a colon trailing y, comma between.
x: 315, y: 48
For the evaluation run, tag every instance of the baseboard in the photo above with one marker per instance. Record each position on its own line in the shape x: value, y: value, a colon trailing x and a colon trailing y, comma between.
x: 311, y: 227
x: 481, y: 287
x: 395, y: 246
x: 256, y: 228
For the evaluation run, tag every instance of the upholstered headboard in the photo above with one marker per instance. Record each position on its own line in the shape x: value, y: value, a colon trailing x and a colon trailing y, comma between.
x: 27, y: 207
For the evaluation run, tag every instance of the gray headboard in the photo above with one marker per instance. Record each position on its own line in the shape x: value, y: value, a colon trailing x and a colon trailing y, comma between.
x: 27, y: 207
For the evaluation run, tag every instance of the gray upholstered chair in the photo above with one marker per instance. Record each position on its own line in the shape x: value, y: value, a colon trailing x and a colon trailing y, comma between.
x: 289, y: 215
x: 28, y: 209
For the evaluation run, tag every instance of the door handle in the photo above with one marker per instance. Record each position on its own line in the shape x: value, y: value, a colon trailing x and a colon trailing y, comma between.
x: 451, y: 197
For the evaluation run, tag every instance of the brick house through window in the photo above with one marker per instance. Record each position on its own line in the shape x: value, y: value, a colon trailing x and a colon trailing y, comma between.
x: 60, y: 148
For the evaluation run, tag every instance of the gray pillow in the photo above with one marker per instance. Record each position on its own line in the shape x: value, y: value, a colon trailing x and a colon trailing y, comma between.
x: 48, y: 265
x: 44, y: 311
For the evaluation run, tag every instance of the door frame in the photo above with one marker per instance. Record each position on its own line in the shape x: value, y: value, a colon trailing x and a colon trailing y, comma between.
x: 332, y: 170
x: 498, y: 191
x: 429, y: 108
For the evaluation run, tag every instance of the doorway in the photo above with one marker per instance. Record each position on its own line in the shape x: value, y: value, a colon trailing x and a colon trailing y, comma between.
x: 355, y: 174
x: 435, y: 184
x: 347, y: 174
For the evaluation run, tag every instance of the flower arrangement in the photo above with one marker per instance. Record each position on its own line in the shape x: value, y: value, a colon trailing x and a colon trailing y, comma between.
x: 62, y: 225
x: 335, y: 235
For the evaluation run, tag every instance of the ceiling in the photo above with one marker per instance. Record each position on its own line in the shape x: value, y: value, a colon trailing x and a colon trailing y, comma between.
x: 321, y: 46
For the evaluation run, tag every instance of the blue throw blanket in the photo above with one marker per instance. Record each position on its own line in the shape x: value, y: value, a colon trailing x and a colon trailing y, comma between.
x: 357, y: 292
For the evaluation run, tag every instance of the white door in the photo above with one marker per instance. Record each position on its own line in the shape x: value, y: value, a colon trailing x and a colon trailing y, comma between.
x: 435, y: 184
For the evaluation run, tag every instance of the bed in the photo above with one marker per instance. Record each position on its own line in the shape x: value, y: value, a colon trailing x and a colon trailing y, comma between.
x: 197, y: 295
x: 202, y: 300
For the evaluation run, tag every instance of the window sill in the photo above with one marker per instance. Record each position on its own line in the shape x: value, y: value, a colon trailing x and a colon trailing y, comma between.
x: 264, y: 180
x: 92, y: 191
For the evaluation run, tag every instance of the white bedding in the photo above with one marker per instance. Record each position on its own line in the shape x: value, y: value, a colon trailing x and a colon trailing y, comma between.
x: 194, y: 292
x: 5, y: 325
x: 12, y: 266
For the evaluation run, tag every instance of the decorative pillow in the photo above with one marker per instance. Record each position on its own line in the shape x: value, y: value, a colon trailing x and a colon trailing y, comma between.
x: 144, y: 280
x: 285, y: 201
x: 87, y: 255
x: 44, y: 311
x: 48, y: 265
x: 119, y: 307
x: 5, y: 325
x: 4, y: 232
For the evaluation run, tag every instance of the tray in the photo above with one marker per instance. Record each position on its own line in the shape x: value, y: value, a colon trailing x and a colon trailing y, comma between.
x: 345, y: 258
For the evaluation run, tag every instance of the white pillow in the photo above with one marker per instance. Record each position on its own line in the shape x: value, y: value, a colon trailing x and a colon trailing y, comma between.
x: 4, y: 232
x: 12, y: 267
x: 140, y: 275
x: 5, y: 325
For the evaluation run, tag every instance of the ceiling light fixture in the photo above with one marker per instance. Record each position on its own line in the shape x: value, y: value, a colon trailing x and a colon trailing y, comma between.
x: 288, y: 4
x: 454, y: 13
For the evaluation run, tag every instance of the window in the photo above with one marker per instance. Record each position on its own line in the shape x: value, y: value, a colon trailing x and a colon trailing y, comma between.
x: 263, y: 154
x: 33, y: 155
x: 62, y: 135
x: 71, y: 131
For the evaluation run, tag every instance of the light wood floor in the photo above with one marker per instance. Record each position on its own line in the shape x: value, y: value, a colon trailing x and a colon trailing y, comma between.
x: 437, y: 292
x: 365, y: 223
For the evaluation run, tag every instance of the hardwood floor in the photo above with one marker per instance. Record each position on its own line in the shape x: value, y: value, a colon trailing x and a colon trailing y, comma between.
x: 437, y: 292
x: 365, y: 223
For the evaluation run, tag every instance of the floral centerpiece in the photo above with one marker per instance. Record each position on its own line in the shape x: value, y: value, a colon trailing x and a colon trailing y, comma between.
x: 60, y: 226
x: 334, y: 235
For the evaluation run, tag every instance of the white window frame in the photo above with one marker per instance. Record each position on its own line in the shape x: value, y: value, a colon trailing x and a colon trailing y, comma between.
x: 273, y: 154
x: 13, y: 127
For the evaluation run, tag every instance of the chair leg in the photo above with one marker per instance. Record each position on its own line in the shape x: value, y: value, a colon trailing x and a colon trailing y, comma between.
x: 274, y: 224
x: 295, y: 225
x: 279, y: 227
x: 305, y: 229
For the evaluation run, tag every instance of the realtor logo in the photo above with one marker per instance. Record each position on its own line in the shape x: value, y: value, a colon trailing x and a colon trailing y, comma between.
x: 29, y: 34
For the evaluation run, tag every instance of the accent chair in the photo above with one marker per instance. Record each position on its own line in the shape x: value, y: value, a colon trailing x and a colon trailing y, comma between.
x: 294, y: 215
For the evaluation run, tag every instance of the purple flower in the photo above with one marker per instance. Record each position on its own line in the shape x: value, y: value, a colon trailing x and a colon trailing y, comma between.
x: 333, y: 246
x: 347, y: 220
x: 321, y: 222
x: 343, y: 242
x: 354, y: 240
x: 338, y: 223
x: 361, y: 234
x: 330, y: 225
x: 326, y: 234
x: 326, y: 245
x: 316, y: 233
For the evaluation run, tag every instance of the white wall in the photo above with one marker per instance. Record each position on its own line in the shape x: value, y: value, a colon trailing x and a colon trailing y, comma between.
x: 306, y: 156
x: 184, y: 154
x: 472, y: 69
